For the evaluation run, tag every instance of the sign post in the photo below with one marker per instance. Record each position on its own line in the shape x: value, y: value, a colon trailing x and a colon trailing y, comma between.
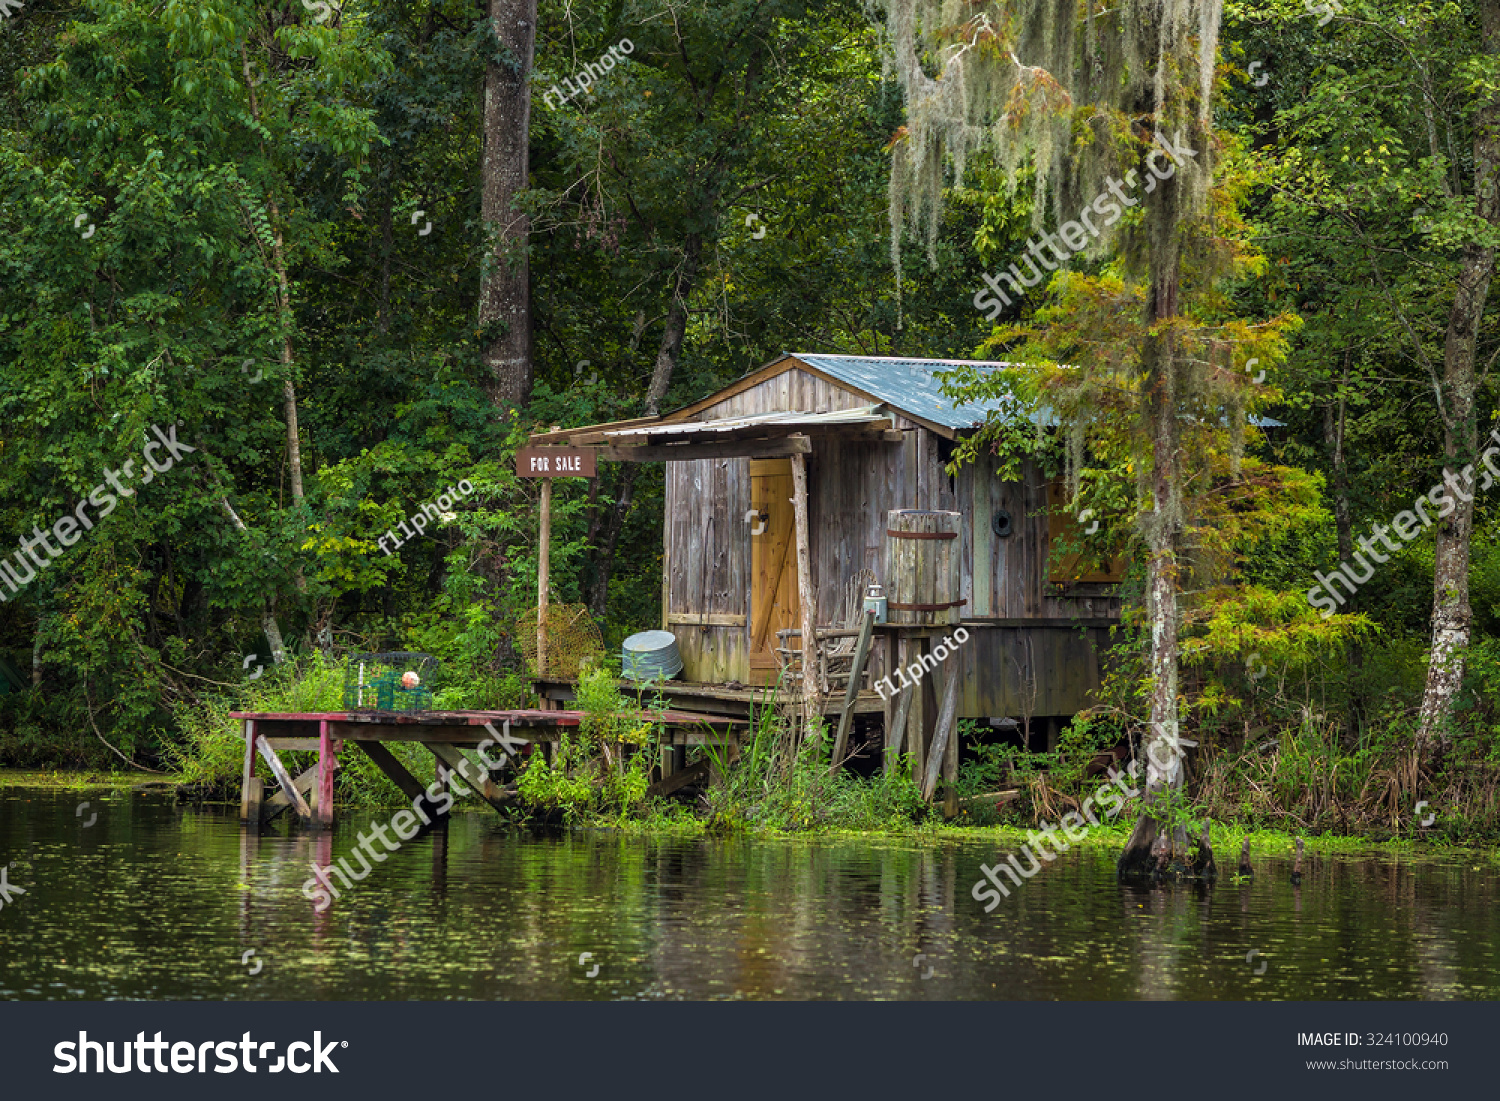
x: 547, y: 463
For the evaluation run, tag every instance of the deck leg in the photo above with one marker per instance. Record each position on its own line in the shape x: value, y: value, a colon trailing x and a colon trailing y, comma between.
x: 327, y: 765
x: 248, y: 729
x: 895, y: 734
x: 252, y: 797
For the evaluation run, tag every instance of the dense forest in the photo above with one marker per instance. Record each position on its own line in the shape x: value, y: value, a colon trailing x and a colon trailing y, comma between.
x: 274, y: 276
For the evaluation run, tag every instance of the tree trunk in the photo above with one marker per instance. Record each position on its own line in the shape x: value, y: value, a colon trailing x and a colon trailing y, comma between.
x: 505, y: 292
x: 1451, y: 615
x: 1163, y: 765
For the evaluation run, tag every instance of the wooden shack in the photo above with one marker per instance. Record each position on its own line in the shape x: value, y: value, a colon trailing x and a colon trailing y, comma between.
x: 843, y: 441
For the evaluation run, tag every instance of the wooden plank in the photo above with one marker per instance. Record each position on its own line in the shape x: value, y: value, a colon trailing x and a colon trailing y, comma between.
x: 284, y: 779
x: 666, y: 550
x: 585, y: 433
x: 733, y: 449
x: 871, y: 430
x: 709, y: 619
x: 247, y: 729
x: 846, y: 715
x: 293, y: 745
x: 387, y: 763
x: 805, y: 596
x: 454, y: 761
x: 305, y: 782
x: 947, y: 720
x: 979, y: 516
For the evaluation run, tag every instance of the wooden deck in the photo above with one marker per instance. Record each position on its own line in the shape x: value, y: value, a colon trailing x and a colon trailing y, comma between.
x: 720, y: 700
x: 445, y: 734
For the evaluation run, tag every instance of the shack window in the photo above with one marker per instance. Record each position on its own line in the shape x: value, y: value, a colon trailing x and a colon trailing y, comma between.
x: 1074, y: 566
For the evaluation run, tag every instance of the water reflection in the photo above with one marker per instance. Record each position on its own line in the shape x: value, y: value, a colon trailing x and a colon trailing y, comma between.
x: 156, y: 901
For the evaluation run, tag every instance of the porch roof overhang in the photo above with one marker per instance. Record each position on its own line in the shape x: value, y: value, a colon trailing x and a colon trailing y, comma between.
x: 766, y: 435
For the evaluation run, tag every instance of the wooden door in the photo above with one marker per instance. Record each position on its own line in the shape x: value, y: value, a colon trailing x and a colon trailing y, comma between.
x: 773, y: 564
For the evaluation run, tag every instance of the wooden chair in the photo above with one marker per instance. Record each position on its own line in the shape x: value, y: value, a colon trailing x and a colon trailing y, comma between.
x: 835, y: 645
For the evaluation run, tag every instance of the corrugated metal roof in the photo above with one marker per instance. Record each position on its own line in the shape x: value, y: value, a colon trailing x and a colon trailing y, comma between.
x: 911, y: 385
x: 866, y: 414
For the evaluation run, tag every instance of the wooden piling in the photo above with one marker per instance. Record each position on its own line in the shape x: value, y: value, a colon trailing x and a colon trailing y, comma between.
x: 895, y: 736
x: 1297, y: 865
x: 1245, y: 868
x: 327, y: 764
x: 252, y: 795
x: 810, y: 696
x: 247, y: 728
x: 947, y: 719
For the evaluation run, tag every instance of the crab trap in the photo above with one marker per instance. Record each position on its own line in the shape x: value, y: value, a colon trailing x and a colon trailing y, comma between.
x: 396, y: 681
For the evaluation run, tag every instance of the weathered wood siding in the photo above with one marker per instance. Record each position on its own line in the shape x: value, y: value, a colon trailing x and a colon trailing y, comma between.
x: 1006, y: 578
x: 1009, y: 669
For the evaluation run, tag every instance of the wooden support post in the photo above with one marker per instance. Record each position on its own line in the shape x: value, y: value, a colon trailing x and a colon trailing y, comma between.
x: 387, y: 763
x: 895, y: 735
x: 922, y: 707
x: 451, y: 760
x: 543, y: 569
x: 947, y: 720
x: 284, y: 779
x: 252, y: 797
x: 327, y: 765
x: 856, y: 671
x: 810, y: 701
x: 247, y: 812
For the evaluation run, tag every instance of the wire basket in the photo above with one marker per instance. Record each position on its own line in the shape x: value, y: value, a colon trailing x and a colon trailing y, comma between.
x: 377, y: 682
x: 572, y: 638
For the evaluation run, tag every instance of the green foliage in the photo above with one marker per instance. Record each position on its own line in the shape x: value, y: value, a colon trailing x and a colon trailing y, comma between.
x: 601, y: 772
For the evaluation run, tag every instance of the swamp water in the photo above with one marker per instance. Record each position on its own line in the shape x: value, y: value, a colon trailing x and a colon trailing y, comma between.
x: 135, y: 897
